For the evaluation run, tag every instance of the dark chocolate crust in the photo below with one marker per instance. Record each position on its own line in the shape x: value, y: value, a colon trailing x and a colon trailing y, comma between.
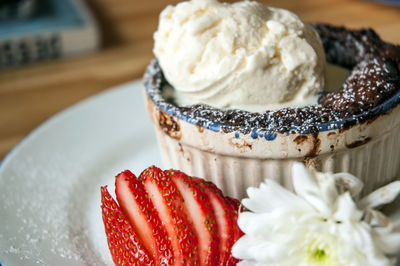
x: 375, y: 69
x: 372, y: 88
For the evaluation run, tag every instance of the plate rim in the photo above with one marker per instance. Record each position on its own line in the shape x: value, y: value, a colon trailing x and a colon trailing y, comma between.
x: 41, y: 126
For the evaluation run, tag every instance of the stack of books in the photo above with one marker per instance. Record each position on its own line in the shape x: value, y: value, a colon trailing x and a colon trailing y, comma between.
x: 53, y: 29
x: 16, y: 9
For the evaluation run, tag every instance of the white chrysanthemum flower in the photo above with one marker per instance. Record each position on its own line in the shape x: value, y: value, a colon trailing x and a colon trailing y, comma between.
x: 320, y: 224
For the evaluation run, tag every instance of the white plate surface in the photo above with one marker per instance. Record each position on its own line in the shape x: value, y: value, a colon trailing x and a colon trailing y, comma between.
x: 50, y: 183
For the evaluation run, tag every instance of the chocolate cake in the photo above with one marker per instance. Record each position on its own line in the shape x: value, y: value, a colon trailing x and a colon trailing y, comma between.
x: 372, y: 89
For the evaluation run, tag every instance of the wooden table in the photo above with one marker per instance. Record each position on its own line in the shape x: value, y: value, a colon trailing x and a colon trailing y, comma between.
x: 31, y: 94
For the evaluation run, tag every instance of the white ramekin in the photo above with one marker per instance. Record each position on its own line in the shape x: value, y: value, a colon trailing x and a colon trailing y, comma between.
x: 369, y: 150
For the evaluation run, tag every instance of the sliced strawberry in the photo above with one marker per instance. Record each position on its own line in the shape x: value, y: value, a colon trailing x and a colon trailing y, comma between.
x: 169, y: 218
x: 171, y: 209
x: 202, y: 216
x: 237, y: 233
x: 123, y: 242
x: 139, y: 209
x: 225, y: 209
x: 234, y: 205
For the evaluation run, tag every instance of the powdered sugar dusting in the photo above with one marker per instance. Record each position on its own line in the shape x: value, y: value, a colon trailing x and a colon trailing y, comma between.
x: 50, y: 184
x: 47, y: 215
x: 372, y: 81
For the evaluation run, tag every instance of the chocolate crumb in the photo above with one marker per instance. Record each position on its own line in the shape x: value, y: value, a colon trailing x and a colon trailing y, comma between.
x: 316, y: 142
x: 300, y: 139
x: 169, y: 125
x: 357, y: 143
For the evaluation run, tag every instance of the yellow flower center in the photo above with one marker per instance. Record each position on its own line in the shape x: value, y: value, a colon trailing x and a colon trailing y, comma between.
x: 319, y: 255
x: 319, y: 250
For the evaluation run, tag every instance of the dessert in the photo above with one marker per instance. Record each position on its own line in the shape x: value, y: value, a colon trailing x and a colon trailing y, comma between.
x: 353, y: 129
x: 169, y: 218
x: 322, y: 223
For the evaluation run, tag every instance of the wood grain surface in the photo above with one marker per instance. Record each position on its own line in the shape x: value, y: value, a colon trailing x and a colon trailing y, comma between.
x: 31, y: 94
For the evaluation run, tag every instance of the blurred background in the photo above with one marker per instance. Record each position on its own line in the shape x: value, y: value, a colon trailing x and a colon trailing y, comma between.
x: 54, y: 53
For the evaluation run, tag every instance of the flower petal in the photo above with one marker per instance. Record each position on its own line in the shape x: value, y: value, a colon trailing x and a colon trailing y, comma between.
x: 306, y: 186
x: 387, y: 241
x: 381, y: 196
x: 376, y: 219
x: 254, y: 223
x: 248, y: 263
x: 250, y: 248
x: 327, y: 185
x: 346, y: 209
x: 348, y: 182
x: 270, y: 196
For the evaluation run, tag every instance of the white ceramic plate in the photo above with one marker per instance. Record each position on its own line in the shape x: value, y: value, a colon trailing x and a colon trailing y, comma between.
x: 50, y: 182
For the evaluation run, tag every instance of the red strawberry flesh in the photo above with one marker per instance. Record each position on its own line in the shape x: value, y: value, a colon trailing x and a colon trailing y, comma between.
x: 202, y: 216
x: 142, y: 215
x: 226, y: 210
x: 170, y: 207
x: 123, y: 242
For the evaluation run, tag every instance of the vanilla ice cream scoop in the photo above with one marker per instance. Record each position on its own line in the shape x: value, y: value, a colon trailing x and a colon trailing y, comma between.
x: 243, y: 55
